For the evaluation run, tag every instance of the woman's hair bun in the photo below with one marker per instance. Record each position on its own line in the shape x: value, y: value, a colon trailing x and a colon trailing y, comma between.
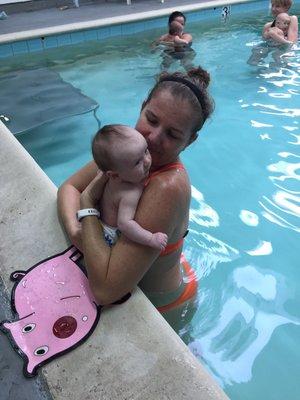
x: 200, y: 74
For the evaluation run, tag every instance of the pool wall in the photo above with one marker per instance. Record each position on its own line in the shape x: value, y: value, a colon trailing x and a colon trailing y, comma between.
x: 133, y: 353
x: 102, y: 29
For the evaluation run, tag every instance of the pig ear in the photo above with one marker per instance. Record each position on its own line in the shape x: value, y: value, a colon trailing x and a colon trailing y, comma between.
x: 17, y: 276
x: 6, y: 326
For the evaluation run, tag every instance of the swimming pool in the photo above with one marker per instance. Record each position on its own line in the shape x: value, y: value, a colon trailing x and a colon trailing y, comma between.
x: 244, y: 222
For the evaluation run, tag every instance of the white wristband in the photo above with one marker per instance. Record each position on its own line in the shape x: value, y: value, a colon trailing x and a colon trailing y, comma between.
x: 85, y: 212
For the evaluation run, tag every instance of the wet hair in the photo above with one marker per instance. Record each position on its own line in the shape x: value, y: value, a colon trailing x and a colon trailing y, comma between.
x: 190, y: 86
x: 104, y: 143
x: 175, y: 28
x: 287, y: 4
x: 174, y: 15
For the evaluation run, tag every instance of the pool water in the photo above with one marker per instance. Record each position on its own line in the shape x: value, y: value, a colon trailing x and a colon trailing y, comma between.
x: 244, y: 169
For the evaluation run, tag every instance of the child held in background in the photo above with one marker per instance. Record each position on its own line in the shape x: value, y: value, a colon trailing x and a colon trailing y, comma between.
x: 278, y: 7
x: 122, y: 153
x: 175, y: 35
x: 176, y: 47
x: 261, y: 51
x: 278, y: 34
x: 178, y: 16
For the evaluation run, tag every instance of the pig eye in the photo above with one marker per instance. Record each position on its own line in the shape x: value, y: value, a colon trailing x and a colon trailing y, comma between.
x: 28, y: 328
x: 40, y: 351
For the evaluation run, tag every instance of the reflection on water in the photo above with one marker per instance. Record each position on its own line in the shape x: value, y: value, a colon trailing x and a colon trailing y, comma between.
x: 244, y: 235
x: 262, y: 249
x: 240, y: 333
x: 283, y: 207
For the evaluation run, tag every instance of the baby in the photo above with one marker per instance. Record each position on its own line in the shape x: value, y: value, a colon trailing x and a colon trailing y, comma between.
x: 177, y: 46
x: 261, y: 51
x: 122, y: 154
x: 278, y: 33
x: 279, y: 7
x: 174, y: 37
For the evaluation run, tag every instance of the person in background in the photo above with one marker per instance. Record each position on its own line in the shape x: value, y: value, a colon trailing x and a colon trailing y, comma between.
x: 174, y: 37
x: 176, y: 44
x: 278, y: 34
x: 178, y: 16
x: 261, y: 51
x: 278, y: 7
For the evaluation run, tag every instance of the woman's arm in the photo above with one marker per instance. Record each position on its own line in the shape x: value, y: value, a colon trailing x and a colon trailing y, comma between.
x: 276, y: 35
x: 68, y: 201
x: 266, y: 28
x: 113, y: 272
x: 178, y: 40
x: 293, y: 29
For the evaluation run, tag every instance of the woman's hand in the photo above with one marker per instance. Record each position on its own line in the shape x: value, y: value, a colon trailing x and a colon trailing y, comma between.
x: 92, y: 194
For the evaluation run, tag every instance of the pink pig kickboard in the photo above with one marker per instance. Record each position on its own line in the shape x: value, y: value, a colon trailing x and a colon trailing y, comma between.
x: 55, y: 310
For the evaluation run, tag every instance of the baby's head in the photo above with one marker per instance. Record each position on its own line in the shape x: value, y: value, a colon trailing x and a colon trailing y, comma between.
x: 283, y: 21
x: 178, y: 17
x: 280, y: 6
x: 175, y: 28
x: 121, y: 151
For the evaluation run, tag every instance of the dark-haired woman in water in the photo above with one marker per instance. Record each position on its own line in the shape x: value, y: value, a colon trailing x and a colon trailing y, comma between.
x: 170, y: 119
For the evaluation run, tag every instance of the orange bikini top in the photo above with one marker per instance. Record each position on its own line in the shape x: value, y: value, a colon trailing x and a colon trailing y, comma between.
x: 176, y: 165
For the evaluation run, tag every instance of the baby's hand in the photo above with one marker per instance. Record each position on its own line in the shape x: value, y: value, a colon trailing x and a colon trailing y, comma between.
x: 158, y: 240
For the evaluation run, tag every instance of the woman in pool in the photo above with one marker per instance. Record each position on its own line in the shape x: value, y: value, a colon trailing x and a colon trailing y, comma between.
x: 174, y: 111
x: 261, y: 51
x: 176, y: 44
x: 178, y: 16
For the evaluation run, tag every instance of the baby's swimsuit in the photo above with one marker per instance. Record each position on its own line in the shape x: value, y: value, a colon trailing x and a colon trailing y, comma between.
x: 189, y: 286
x: 111, y: 234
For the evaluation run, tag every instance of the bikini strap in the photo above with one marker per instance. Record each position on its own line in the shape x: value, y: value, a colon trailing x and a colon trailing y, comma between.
x: 170, y: 248
x: 168, y: 167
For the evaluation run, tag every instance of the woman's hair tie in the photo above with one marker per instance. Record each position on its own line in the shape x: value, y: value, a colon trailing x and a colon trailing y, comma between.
x: 187, y: 83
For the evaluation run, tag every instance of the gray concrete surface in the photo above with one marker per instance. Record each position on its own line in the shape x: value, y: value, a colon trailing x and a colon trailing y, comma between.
x: 89, y: 12
x: 43, y: 23
x: 13, y: 384
x: 133, y: 353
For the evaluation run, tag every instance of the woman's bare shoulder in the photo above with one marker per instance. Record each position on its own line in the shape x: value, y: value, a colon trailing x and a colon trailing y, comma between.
x: 174, y: 180
x: 167, y: 195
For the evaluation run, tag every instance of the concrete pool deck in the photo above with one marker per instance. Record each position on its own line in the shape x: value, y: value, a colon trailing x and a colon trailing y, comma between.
x: 133, y: 353
x: 25, y: 25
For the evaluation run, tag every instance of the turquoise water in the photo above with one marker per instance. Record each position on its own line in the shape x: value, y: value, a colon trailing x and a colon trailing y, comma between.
x: 244, y: 169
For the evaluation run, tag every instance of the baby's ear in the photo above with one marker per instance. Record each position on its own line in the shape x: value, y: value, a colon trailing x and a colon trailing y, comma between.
x: 112, y: 174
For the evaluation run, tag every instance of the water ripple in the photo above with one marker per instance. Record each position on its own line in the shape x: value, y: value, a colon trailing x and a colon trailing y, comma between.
x: 232, y: 339
x: 274, y: 110
x: 203, y: 215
